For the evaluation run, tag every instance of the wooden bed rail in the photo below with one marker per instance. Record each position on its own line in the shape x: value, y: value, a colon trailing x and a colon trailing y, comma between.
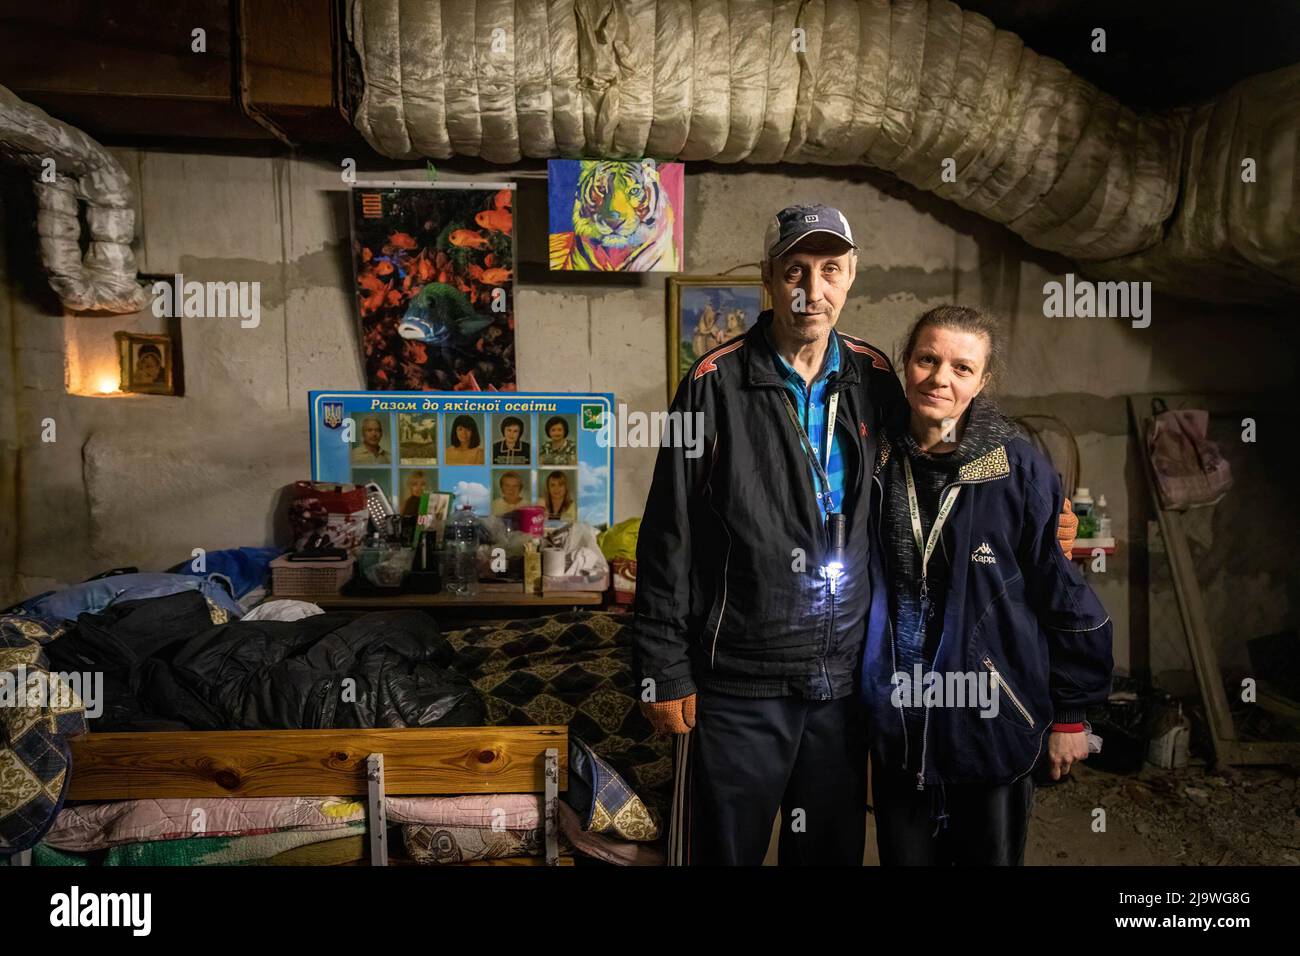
x: 316, y: 763
x: 313, y: 763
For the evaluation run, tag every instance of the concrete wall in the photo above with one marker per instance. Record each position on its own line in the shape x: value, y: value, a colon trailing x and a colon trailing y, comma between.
x: 142, y: 479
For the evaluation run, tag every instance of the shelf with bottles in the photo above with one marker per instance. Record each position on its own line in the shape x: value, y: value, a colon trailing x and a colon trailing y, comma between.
x: 1094, y: 526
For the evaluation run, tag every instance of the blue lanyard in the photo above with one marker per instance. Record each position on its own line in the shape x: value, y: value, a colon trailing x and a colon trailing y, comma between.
x: 807, y: 445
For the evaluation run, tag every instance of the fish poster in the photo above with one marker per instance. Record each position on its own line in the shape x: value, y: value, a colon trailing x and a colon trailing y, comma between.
x: 615, y: 215
x: 496, y: 452
x: 435, y: 270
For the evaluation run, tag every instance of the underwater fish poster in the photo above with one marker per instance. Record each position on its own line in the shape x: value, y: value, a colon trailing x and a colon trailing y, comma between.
x: 434, y: 267
x: 615, y: 215
x: 495, y: 451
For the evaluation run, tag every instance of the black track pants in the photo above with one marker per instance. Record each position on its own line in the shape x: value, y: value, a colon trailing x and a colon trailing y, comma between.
x: 962, y: 825
x: 747, y: 757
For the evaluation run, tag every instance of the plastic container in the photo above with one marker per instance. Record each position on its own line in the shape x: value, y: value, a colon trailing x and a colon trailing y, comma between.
x: 309, y: 578
x: 385, y: 565
x: 532, y: 519
x: 1082, y: 505
x: 461, y: 577
x: 1104, y: 527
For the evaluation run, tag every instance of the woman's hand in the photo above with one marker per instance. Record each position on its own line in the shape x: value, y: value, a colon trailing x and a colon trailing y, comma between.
x: 1063, y: 750
x: 1067, y: 528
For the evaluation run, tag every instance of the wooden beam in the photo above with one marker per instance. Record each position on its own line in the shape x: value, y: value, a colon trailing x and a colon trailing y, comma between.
x: 293, y: 763
x: 1191, y: 604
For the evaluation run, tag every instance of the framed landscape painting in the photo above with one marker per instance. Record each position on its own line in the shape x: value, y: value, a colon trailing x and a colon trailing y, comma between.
x: 706, y: 311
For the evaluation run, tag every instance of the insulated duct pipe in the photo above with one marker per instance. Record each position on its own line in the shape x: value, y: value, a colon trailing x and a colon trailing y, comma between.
x: 935, y: 95
x: 70, y: 169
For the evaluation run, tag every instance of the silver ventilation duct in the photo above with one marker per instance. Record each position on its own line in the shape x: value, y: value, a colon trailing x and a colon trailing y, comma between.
x: 935, y: 95
x: 71, y: 169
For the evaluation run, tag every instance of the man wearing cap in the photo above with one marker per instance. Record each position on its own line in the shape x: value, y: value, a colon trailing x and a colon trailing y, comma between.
x: 752, y: 588
x: 752, y: 583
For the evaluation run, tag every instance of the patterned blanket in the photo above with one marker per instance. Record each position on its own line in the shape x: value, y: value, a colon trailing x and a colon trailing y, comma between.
x: 37, y: 714
x: 576, y: 669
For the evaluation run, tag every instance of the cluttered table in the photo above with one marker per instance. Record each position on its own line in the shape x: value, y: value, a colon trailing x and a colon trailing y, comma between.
x: 451, y: 601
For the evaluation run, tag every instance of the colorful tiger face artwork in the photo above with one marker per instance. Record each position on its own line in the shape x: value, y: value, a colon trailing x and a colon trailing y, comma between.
x: 615, y: 215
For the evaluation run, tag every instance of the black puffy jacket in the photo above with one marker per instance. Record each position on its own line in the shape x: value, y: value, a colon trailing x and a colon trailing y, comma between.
x: 167, y: 666
x: 721, y: 602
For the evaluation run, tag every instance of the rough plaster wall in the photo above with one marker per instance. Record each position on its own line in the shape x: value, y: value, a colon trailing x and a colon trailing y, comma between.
x: 1242, y: 550
x: 144, y: 479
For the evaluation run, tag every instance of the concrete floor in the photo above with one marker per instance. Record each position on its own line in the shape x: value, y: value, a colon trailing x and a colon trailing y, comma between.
x: 1189, y: 817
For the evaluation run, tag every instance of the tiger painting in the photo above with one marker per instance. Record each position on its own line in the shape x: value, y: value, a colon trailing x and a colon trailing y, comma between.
x: 623, y: 221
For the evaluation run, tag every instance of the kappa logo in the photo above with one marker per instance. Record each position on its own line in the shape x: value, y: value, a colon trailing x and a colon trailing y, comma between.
x: 983, y: 555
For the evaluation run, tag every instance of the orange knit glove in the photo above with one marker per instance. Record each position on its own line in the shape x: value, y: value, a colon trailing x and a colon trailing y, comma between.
x: 1067, y: 528
x: 671, y: 716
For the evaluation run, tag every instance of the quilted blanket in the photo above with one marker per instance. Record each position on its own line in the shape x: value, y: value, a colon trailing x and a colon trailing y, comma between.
x: 576, y: 669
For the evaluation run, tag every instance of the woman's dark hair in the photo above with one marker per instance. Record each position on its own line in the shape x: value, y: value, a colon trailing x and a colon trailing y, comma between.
x: 469, y: 423
x: 149, y: 350
x: 959, y: 318
x: 557, y: 419
x: 511, y: 420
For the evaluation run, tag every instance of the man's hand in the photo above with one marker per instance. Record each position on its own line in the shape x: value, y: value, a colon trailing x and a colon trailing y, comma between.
x: 1063, y: 750
x: 1067, y: 529
x: 672, y: 716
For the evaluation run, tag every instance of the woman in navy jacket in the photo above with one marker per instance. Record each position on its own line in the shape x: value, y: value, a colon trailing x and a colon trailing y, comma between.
x: 984, y: 644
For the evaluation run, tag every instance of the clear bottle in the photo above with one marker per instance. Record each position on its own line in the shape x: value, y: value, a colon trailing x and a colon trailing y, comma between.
x: 462, y: 554
x: 1104, y: 529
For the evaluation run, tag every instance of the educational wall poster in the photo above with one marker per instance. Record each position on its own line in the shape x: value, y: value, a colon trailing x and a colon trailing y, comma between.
x: 497, y: 452
x: 434, y: 269
x: 615, y: 215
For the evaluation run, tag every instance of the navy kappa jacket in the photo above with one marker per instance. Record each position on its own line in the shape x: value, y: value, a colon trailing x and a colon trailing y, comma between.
x: 1019, y: 616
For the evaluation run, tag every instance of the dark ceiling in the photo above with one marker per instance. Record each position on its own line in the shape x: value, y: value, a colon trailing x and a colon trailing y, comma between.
x: 1159, y: 52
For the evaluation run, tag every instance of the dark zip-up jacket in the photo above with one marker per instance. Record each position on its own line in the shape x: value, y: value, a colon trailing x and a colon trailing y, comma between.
x: 1016, y: 610
x: 731, y: 592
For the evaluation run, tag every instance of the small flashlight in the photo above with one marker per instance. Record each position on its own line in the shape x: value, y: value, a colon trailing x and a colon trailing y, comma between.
x: 835, y: 534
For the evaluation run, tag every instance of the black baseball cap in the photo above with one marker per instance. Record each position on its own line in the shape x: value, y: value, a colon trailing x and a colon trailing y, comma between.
x: 794, y: 223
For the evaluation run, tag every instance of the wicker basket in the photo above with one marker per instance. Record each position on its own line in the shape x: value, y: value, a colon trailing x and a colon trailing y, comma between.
x: 309, y: 578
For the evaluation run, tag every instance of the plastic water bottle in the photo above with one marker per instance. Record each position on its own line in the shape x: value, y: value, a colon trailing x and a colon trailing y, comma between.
x: 462, y: 558
x: 1104, y: 528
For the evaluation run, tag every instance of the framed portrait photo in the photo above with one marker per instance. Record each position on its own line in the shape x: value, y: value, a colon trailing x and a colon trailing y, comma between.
x: 147, y: 363
x: 706, y: 311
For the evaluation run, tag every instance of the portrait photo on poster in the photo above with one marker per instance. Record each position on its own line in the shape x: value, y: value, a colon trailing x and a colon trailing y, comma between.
x: 372, y: 440
x: 413, y: 484
x: 559, y: 440
x: 557, y: 492
x: 464, y: 440
x: 511, y: 490
x: 512, y: 446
